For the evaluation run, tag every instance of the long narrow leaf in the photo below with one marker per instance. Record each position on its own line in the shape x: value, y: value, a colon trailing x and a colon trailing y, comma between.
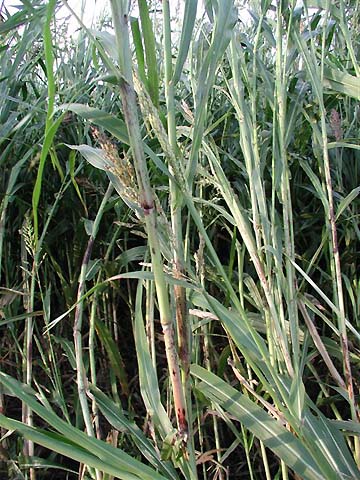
x: 271, y: 432
x: 118, y: 420
x: 114, y: 457
x: 60, y: 444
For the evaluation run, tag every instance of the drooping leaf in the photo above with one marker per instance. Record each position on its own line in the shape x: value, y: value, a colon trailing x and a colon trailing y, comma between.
x: 118, y: 420
x: 270, y: 431
x: 342, y: 82
x: 73, y: 442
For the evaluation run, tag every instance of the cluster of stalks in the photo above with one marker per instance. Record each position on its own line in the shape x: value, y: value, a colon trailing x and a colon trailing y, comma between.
x: 226, y: 151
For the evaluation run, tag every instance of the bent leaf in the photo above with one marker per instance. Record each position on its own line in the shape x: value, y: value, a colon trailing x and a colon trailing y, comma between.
x: 276, y: 437
x: 115, y: 458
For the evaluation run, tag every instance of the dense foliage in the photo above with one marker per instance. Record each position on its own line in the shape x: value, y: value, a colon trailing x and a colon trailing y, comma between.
x: 179, y: 241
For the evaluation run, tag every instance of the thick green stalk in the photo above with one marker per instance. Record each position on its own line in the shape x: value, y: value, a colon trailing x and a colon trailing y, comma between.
x: 281, y: 98
x: 175, y: 204
x: 120, y: 15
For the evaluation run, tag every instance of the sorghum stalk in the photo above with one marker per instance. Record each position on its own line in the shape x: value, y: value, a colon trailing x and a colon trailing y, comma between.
x: 146, y: 199
x: 175, y: 202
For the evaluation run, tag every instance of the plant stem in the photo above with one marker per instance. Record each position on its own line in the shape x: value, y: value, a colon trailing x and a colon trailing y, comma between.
x: 121, y: 24
x: 80, y: 368
x: 29, y: 290
x: 175, y: 205
x: 335, y: 253
x: 281, y: 98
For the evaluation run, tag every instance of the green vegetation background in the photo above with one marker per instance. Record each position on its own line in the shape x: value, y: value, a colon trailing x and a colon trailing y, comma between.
x: 180, y: 279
